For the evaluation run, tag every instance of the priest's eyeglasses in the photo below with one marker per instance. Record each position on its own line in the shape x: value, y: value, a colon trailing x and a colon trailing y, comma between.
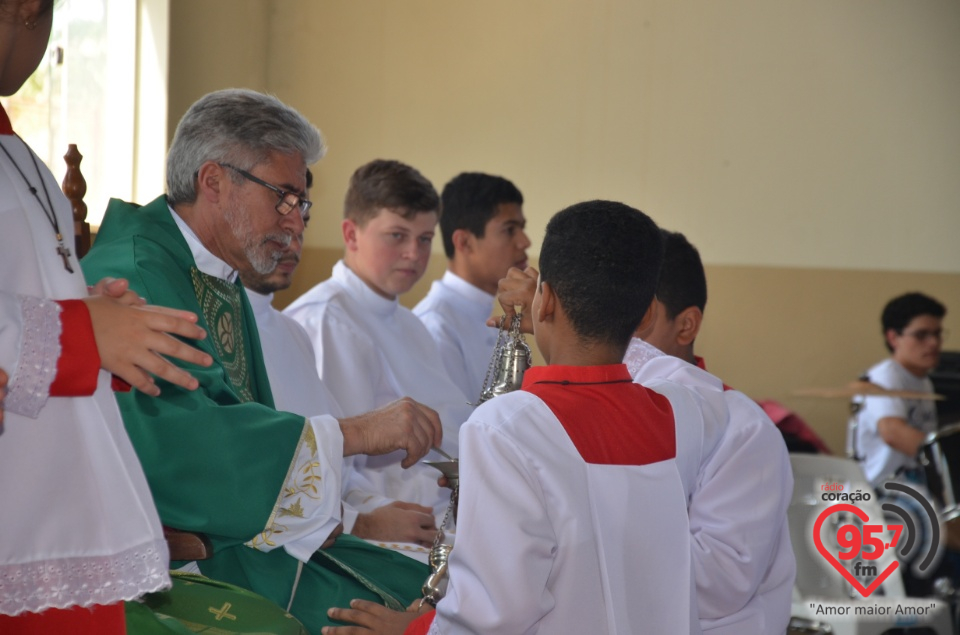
x: 288, y: 201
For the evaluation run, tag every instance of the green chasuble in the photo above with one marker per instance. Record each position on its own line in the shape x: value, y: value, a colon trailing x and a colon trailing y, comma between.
x: 217, y: 458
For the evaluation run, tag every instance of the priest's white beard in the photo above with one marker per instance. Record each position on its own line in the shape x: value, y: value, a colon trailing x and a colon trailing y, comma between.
x: 260, y: 254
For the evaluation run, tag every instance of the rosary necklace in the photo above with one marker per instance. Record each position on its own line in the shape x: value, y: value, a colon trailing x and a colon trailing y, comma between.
x: 48, y: 210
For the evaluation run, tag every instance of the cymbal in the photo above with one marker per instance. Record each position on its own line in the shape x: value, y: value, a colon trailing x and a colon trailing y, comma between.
x: 866, y: 389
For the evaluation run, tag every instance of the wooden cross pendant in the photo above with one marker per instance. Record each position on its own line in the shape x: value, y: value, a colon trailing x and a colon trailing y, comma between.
x: 64, y: 252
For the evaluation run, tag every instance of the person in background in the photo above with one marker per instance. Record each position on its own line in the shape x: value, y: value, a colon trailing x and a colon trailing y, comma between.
x: 890, y: 430
x: 482, y: 229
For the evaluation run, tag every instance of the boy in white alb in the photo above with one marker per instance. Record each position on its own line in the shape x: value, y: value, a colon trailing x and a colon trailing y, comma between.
x: 370, y: 350
x: 891, y: 430
x: 739, y: 484
x: 572, y: 514
x: 742, y: 555
x: 482, y: 229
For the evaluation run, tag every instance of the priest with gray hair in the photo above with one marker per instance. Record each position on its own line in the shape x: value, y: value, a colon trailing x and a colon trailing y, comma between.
x: 263, y: 484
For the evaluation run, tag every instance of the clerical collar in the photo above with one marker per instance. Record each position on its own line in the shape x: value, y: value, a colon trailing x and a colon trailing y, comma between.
x: 607, y: 374
x: 471, y: 293
x: 205, y: 261
x: 5, y: 126
x: 359, y: 289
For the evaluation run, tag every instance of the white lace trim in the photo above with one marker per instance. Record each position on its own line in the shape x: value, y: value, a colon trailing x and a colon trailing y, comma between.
x: 638, y: 354
x: 36, y: 586
x: 39, y: 352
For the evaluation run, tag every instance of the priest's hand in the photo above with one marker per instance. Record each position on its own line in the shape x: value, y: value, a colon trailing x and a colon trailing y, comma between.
x: 517, y: 289
x: 132, y: 339
x: 403, y: 424
x: 398, y: 522
x: 370, y: 617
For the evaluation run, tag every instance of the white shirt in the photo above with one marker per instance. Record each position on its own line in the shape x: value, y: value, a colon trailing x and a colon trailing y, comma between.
x: 880, y: 461
x: 292, y: 369
x: 301, y: 535
x: 742, y: 555
x: 78, y: 526
x: 456, y: 312
x: 549, y: 542
x: 371, y: 351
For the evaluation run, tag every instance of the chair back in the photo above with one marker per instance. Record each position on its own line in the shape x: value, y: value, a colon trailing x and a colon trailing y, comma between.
x: 75, y: 188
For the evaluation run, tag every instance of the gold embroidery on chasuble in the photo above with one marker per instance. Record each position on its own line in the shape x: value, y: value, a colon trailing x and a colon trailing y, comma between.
x: 303, y: 481
x: 222, y: 308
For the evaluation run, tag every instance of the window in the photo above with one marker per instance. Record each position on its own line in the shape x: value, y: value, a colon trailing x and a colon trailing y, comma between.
x: 102, y: 87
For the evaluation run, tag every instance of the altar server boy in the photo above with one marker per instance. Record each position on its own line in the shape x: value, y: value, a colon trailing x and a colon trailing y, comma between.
x: 371, y: 350
x: 482, y: 228
x: 572, y: 513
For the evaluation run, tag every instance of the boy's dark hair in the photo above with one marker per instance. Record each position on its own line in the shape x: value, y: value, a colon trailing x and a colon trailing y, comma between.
x: 470, y: 200
x: 603, y: 260
x: 388, y: 184
x: 901, y: 310
x: 683, y: 283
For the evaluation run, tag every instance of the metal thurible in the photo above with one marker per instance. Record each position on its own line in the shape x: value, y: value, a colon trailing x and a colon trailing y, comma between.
x: 436, y: 584
x: 511, y: 357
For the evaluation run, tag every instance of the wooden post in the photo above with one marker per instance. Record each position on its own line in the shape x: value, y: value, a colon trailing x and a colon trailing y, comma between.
x: 75, y: 188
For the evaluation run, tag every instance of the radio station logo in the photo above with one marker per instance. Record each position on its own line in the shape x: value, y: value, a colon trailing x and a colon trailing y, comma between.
x: 859, y: 543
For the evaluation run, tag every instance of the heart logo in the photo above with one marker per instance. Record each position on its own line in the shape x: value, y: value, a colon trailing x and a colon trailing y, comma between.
x: 843, y: 507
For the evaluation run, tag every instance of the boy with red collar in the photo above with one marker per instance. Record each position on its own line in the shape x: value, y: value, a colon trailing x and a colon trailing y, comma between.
x: 555, y: 477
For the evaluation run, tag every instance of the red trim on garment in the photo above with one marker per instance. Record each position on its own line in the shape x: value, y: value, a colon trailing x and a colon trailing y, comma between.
x: 119, y: 385
x: 98, y: 619
x: 79, y: 361
x: 5, y: 126
x: 702, y: 365
x: 610, y: 419
x: 421, y: 625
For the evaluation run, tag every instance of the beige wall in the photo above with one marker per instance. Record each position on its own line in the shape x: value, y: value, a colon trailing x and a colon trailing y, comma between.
x: 215, y: 44
x: 768, y: 331
x: 810, y: 149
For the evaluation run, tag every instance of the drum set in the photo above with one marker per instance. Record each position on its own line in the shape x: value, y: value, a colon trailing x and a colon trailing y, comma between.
x: 939, y: 457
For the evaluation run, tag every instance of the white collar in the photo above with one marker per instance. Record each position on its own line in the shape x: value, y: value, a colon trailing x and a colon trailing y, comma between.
x: 259, y: 302
x: 477, y: 297
x: 362, y: 293
x: 206, y: 261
